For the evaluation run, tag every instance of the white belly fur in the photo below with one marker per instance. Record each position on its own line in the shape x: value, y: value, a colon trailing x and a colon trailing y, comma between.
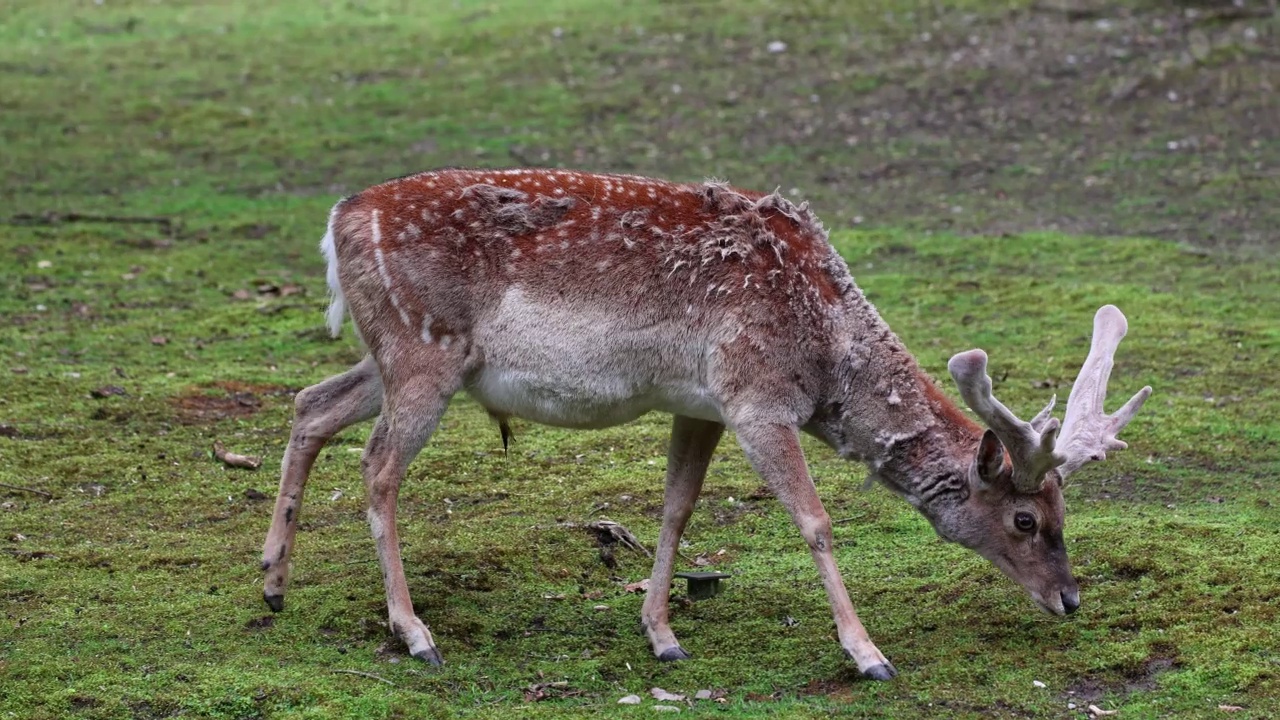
x: 549, y: 365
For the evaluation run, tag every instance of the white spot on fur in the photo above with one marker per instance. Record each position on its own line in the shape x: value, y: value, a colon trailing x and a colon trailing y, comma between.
x: 375, y: 227
x: 426, y: 329
x: 595, y: 213
x: 382, y: 268
x: 894, y: 398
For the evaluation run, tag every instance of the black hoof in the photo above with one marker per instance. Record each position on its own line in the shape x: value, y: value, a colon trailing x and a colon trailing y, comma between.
x: 275, y: 602
x: 431, y: 655
x: 674, y: 654
x: 881, y: 672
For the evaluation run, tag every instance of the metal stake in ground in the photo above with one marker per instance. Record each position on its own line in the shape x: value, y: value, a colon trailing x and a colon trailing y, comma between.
x: 703, y: 585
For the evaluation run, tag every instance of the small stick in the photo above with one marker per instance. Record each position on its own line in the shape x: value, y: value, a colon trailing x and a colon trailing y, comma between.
x: 371, y: 676
x: 26, y: 489
x: 235, y: 459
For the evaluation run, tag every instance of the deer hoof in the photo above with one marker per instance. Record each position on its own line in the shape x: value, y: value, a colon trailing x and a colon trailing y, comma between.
x: 881, y: 672
x: 275, y: 602
x: 673, y: 654
x: 431, y: 655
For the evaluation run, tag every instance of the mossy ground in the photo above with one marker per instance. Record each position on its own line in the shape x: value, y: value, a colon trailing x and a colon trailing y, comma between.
x: 949, y: 167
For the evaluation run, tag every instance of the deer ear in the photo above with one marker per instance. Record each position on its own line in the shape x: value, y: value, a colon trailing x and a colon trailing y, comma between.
x: 988, y: 464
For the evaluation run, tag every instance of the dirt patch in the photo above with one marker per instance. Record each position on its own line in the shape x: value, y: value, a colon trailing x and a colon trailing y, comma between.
x: 1142, y: 677
x: 207, y: 404
x: 1076, y: 116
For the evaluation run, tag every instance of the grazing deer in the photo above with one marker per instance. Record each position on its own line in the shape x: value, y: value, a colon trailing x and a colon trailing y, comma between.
x: 584, y: 301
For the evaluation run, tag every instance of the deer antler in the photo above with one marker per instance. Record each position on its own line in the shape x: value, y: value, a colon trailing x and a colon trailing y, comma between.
x: 1030, y: 444
x: 1088, y: 432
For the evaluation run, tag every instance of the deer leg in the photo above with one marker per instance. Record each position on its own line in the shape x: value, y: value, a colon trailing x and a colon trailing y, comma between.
x: 320, y: 412
x: 692, y: 443
x: 774, y: 452
x: 413, y: 408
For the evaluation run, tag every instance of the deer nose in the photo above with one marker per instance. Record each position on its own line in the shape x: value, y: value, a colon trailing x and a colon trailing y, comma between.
x: 1070, y: 601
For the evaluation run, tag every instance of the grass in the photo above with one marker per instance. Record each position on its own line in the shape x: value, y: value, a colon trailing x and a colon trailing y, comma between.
x: 133, y: 590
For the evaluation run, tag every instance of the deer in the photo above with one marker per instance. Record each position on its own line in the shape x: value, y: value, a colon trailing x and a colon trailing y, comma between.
x: 584, y: 300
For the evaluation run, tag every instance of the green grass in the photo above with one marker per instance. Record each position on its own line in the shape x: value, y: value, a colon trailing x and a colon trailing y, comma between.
x: 134, y: 591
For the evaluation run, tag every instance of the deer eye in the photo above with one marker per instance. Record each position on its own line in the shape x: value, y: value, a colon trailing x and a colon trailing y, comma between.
x: 1024, y: 521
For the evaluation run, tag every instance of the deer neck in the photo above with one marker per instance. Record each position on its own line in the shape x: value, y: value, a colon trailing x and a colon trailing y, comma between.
x: 892, y: 416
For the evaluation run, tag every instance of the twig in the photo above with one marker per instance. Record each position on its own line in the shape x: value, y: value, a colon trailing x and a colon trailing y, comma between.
x: 26, y: 489
x: 842, y: 521
x: 235, y: 459
x: 371, y: 676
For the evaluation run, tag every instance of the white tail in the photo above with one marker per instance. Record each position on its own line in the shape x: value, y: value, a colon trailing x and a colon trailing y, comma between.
x: 585, y: 300
x: 337, y: 302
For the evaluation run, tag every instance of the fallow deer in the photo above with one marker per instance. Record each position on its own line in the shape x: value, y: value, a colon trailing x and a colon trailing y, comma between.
x: 586, y: 300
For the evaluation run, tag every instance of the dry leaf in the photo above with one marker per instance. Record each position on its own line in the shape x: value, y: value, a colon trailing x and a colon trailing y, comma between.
x: 629, y: 700
x: 1230, y: 708
x: 664, y: 696
x: 107, y: 391
x: 1099, y: 712
x: 641, y: 586
x: 159, y: 340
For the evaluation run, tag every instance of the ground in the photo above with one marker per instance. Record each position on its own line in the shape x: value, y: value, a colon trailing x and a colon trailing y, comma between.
x: 993, y: 170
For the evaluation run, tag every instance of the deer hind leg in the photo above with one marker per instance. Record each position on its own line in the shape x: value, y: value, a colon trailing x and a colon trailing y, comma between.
x: 321, y: 411
x: 692, y: 443
x: 774, y: 451
x: 414, y: 403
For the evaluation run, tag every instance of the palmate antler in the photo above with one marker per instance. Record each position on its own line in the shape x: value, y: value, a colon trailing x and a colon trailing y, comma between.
x: 1086, y: 434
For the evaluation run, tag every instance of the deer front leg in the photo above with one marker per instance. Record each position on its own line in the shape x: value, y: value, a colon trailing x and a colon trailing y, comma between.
x: 774, y: 452
x: 692, y: 443
x: 320, y: 412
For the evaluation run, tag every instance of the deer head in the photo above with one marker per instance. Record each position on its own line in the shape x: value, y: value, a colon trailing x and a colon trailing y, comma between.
x: 1013, y: 515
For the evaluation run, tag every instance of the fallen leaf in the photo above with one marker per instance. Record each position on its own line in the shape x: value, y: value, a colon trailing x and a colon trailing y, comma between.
x: 1099, y: 712
x: 702, y: 695
x: 159, y: 340
x: 1230, y: 708
x: 629, y: 700
x: 107, y: 391
x: 241, y: 294
x: 641, y: 586
x: 663, y: 695
x: 255, y: 495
